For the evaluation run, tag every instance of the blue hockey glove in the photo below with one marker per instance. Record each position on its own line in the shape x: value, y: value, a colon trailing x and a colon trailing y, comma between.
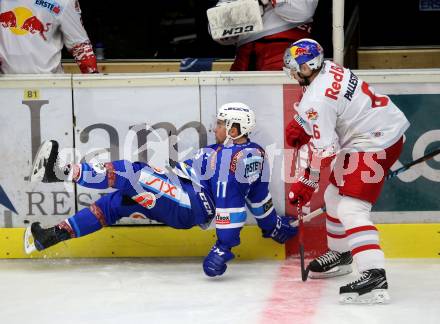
x: 283, y: 231
x: 215, y: 263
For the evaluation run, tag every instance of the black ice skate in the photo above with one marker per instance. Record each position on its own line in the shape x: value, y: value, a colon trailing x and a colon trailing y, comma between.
x: 330, y: 264
x: 45, y: 167
x: 38, y: 238
x: 370, y: 288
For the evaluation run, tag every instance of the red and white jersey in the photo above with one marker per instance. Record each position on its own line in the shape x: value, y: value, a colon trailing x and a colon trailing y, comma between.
x: 339, y: 110
x: 33, y: 32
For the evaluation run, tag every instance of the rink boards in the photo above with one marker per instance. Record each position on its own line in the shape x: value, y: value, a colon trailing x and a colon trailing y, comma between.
x: 161, y: 118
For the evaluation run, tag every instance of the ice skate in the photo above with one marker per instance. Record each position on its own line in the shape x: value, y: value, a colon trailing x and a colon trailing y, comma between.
x: 37, y: 238
x: 370, y: 288
x: 330, y: 264
x: 45, y: 167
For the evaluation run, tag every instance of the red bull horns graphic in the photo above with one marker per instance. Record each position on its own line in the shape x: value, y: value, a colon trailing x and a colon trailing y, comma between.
x: 21, y: 21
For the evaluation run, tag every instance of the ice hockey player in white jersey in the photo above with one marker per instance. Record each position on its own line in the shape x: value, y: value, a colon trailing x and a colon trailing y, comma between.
x: 342, y: 115
x: 33, y: 32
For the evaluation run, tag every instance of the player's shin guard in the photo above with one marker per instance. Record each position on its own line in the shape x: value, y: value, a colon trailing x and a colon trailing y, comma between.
x: 88, y: 220
x: 370, y: 288
x: 38, y: 238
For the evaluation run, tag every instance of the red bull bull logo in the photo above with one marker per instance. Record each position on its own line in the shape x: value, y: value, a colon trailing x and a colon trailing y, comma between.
x: 296, y: 51
x: 312, y: 114
x: 21, y: 21
x: 8, y: 19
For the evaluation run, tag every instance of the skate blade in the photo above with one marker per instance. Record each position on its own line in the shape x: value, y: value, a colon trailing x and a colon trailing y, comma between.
x: 376, y: 296
x: 29, y: 243
x: 38, y: 168
x: 335, y: 272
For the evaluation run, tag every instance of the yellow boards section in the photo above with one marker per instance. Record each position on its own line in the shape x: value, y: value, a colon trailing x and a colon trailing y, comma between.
x: 145, y: 241
x: 397, y: 241
x: 410, y: 240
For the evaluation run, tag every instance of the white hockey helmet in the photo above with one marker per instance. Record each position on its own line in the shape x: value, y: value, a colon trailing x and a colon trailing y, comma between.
x: 237, y: 113
x: 306, y: 51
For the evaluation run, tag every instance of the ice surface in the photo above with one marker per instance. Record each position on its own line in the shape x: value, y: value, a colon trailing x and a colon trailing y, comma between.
x: 176, y: 291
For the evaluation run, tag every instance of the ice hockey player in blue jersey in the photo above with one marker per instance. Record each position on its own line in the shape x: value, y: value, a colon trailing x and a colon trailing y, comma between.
x: 218, y: 182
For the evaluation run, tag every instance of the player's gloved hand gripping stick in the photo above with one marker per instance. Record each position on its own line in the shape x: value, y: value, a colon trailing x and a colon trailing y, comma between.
x: 392, y: 174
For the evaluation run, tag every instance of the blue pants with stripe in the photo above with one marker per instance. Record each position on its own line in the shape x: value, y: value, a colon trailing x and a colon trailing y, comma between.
x: 175, y: 203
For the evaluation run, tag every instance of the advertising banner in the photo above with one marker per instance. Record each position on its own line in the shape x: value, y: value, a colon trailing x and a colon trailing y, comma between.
x: 32, y: 110
x: 161, y: 118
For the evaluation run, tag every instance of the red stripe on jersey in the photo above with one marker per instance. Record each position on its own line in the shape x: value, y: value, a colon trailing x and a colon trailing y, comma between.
x: 361, y: 229
x: 97, y: 212
x: 364, y: 248
x: 111, y: 175
x: 333, y: 220
x: 336, y: 236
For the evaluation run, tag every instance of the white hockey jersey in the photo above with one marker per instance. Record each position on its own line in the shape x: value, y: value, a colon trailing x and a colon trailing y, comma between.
x: 33, y: 32
x: 337, y: 101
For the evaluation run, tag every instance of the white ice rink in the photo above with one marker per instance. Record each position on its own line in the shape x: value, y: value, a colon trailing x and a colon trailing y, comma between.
x: 176, y: 291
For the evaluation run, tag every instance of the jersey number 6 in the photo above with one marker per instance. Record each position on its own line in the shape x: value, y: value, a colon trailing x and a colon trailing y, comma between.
x: 376, y: 101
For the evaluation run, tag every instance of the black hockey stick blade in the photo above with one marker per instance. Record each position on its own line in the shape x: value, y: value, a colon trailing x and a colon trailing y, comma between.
x: 304, y: 270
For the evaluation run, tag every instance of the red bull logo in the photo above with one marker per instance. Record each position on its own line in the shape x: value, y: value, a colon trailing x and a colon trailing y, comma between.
x: 21, y: 21
x: 8, y: 19
x: 296, y: 51
x: 312, y: 114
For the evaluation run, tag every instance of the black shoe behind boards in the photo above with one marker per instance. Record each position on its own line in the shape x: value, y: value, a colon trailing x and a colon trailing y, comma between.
x: 370, y: 288
x: 330, y: 264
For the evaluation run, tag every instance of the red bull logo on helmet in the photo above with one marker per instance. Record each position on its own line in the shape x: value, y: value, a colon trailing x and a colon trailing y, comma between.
x: 296, y: 51
x: 22, y: 21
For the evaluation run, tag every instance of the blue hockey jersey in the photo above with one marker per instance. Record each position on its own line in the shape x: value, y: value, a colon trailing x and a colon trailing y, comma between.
x: 234, y: 176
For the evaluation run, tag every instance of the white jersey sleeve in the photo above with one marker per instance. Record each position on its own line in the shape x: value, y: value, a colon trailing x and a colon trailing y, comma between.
x: 71, y: 25
x: 295, y: 11
x: 319, y: 121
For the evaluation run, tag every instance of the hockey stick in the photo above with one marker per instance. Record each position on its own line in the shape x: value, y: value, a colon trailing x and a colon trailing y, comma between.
x: 304, y: 271
x: 409, y: 165
x: 392, y: 174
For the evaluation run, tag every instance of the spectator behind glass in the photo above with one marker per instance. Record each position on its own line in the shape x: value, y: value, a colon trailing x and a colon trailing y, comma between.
x: 284, y: 22
x: 33, y: 32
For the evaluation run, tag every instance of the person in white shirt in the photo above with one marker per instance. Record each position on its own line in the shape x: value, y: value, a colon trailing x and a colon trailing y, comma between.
x: 33, y: 32
x: 284, y: 21
x: 342, y: 115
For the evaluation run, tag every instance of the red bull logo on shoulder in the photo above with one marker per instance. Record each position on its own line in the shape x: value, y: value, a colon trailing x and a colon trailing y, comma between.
x: 22, y: 21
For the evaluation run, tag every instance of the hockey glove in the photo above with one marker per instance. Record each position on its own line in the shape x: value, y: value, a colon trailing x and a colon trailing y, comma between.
x: 302, y: 190
x: 282, y: 231
x: 215, y: 263
x: 296, y: 136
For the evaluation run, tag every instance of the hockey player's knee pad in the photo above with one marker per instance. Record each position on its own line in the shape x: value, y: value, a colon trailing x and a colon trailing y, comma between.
x: 353, y: 212
x: 332, y: 199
